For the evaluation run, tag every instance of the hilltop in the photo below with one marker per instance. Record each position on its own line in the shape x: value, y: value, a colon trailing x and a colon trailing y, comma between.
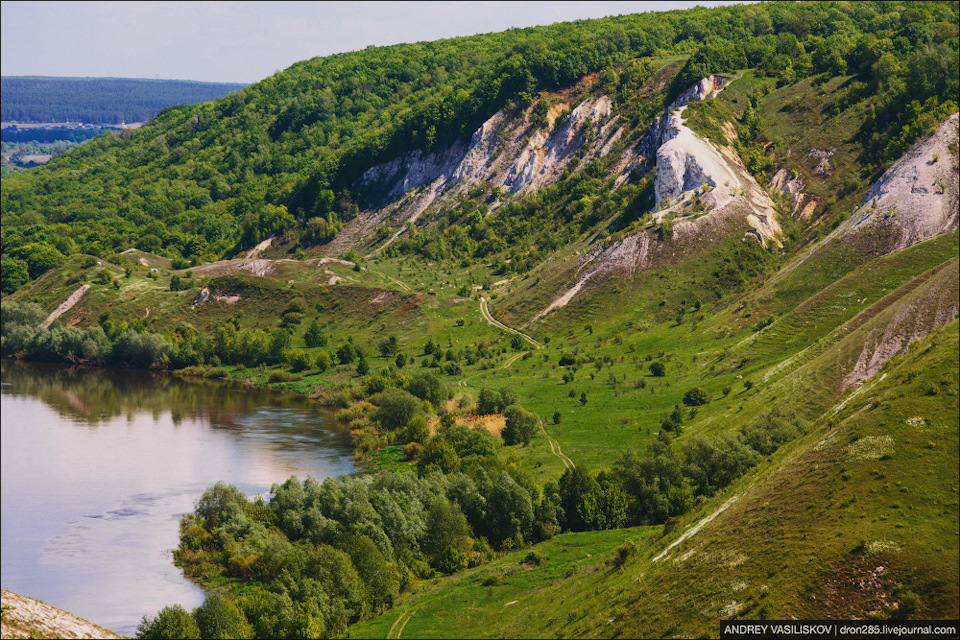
x: 694, y: 273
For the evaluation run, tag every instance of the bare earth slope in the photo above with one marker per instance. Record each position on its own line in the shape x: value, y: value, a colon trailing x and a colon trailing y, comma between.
x: 29, y: 618
x: 916, y: 199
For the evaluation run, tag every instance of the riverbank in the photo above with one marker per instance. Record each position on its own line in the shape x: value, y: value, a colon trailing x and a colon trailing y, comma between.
x: 25, y: 617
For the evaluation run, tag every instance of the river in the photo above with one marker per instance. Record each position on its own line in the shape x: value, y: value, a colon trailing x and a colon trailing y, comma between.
x: 98, y: 467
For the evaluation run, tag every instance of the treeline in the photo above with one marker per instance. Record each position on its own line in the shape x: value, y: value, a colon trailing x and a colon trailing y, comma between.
x: 320, y: 556
x: 48, y: 136
x: 285, y: 153
x: 100, y: 100
x: 905, y: 67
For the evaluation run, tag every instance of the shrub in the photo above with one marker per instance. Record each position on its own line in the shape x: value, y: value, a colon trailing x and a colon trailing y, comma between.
x: 624, y: 551
x: 521, y: 425
x: 396, y: 408
x: 171, y: 622
x: 658, y: 369
x: 696, y: 397
x: 284, y: 376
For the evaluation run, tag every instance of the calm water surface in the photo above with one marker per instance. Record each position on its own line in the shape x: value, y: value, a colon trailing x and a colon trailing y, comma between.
x: 98, y: 466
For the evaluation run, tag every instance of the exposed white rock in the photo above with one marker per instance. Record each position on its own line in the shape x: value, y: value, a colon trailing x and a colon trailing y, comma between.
x: 685, y: 161
x: 793, y: 186
x: 917, y: 198
x: 506, y: 151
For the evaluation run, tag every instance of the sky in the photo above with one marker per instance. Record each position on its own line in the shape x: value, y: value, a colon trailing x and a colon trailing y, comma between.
x: 248, y: 41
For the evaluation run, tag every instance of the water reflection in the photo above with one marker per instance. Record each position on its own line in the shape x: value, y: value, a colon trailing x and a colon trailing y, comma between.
x: 97, y: 467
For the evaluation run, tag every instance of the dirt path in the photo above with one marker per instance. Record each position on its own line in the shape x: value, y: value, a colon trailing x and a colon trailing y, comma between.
x: 491, y: 320
x: 555, y: 449
x: 506, y: 365
x: 402, y: 285
x: 28, y: 618
x: 260, y: 248
x: 400, y: 631
x: 693, y: 530
x: 73, y: 299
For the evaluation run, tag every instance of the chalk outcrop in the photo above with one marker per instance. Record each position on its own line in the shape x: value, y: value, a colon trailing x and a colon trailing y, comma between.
x: 704, y: 191
x: 915, y: 199
x: 685, y: 161
x: 25, y: 617
x: 513, y: 153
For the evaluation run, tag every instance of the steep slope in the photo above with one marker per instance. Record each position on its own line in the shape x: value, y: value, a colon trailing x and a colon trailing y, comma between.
x: 512, y: 153
x: 916, y: 199
x: 856, y: 518
x: 704, y: 197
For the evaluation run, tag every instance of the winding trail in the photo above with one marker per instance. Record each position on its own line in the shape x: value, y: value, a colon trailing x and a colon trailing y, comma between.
x: 491, y: 320
x: 400, y: 631
x: 506, y: 365
x: 555, y: 449
x: 554, y: 444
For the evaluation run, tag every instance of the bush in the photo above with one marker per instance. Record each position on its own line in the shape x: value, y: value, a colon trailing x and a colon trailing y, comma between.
x: 624, y: 551
x: 696, y: 397
x: 396, y: 408
x: 219, y: 617
x: 284, y: 376
x: 428, y: 386
x: 412, y: 451
x: 521, y: 425
x: 417, y: 430
x: 171, y: 622
x: 658, y: 369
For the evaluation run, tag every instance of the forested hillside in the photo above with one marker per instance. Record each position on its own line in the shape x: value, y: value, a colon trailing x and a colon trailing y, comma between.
x: 652, y: 318
x: 99, y: 100
x: 285, y: 153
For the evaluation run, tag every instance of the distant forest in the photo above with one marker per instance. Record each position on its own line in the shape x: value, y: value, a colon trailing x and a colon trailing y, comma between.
x: 100, y: 100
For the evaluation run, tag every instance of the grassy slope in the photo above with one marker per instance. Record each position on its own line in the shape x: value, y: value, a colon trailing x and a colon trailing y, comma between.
x: 855, y: 518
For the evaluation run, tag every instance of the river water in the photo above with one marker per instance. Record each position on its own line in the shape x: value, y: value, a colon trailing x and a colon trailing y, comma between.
x: 98, y: 466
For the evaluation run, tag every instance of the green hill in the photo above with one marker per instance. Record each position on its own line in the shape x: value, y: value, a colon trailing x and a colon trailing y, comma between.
x: 696, y: 271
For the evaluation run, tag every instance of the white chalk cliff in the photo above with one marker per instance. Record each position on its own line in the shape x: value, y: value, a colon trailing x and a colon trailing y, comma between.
x: 916, y: 198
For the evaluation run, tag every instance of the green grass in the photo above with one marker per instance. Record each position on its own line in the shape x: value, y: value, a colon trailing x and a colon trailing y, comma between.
x: 496, y: 599
x: 810, y: 524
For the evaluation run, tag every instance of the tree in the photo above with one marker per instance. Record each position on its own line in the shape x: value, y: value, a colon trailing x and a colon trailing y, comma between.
x: 395, y: 408
x: 658, y: 369
x: 428, y: 386
x: 381, y: 587
x: 362, y: 367
x: 521, y: 425
x: 219, y: 618
x: 313, y: 337
x: 575, y: 484
x: 417, y: 430
x: 347, y: 353
x: 171, y: 622
x: 388, y: 346
x: 438, y: 455
x: 299, y: 359
x: 13, y: 274
x: 215, y: 501
x: 447, y: 528
x: 324, y: 361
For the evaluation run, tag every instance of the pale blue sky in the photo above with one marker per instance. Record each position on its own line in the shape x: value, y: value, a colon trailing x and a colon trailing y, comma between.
x: 248, y: 41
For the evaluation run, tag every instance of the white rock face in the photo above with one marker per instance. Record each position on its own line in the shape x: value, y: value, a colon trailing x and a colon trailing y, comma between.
x: 685, y: 161
x: 507, y: 152
x: 917, y: 198
x: 414, y: 169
